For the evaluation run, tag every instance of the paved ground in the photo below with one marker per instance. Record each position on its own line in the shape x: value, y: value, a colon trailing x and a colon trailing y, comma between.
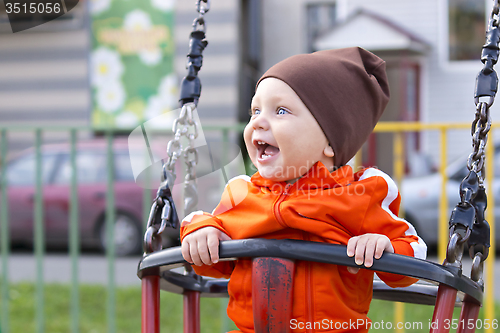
x: 93, y: 269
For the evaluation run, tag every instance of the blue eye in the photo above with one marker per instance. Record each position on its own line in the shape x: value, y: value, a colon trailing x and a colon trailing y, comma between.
x: 282, y: 111
x: 256, y: 111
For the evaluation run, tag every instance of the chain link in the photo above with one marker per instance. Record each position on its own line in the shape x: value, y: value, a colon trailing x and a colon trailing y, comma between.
x: 202, y: 7
x: 494, y: 13
x: 467, y: 221
x: 479, y: 130
x: 163, y: 212
x: 184, y: 126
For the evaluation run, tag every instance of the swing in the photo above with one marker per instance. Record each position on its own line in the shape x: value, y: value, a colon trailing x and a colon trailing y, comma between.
x: 443, y: 286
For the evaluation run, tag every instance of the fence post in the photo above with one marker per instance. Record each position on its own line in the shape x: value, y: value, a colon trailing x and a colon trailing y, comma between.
x: 443, y: 202
x: 110, y: 239
x: 489, y: 301
x: 4, y: 225
x: 399, y: 170
x: 39, y: 233
x: 74, y: 241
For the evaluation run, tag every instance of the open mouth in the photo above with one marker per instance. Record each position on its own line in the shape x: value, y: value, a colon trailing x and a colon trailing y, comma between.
x: 265, y: 150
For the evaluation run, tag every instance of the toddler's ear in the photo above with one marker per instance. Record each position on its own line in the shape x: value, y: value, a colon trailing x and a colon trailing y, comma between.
x: 328, y: 151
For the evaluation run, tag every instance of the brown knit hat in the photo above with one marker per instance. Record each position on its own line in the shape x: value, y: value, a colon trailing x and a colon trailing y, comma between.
x: 346, y: 90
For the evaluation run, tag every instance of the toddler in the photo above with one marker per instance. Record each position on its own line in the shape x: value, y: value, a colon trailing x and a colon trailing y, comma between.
x: 310, y: 114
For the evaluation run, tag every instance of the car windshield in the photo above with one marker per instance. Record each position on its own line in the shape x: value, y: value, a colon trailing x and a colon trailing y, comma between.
x: 458, y: 169
x: 21, y: 172
x: 91, y: 166
x: 123, y: 167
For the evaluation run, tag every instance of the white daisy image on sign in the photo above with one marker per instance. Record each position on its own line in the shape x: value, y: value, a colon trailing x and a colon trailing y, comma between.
x: 158, y: 110
x: 137, y: 20
x: 163, y: 5
x: 168, y: 90
x: 99, y: 6
x: 126, y: 119
x: 105, y: 66
x: 110, y: 97
x: 151, y: 57
x: 154, y: 108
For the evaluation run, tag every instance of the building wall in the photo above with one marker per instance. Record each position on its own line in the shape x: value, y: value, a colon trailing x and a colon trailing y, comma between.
x: 44, y: 70
x: 43, y: 74
x: 446, y: 88
x: 283, y: 33
x: 219, y: 74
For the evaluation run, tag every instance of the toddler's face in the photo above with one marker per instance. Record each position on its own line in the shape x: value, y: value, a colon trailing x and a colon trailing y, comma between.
x: 283, y: 138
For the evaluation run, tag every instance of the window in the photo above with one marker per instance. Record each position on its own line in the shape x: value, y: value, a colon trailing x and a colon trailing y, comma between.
x: 21, y: 172
x: 320, y: 18
x: 123, y: 167
x: 91, y: 166
x: 466, y: 29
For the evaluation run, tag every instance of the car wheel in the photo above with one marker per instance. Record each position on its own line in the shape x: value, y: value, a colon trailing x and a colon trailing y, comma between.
x: 127, y: 235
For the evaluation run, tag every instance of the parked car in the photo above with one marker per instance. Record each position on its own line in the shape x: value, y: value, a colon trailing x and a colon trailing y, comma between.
x: 421, y: 197
x: 91, y: 175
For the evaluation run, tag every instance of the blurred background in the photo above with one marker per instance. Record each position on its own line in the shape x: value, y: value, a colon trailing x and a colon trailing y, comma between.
x: 73, y: 91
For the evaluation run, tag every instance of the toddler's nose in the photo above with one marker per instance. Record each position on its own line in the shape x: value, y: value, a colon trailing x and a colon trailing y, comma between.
x: 260, y: 122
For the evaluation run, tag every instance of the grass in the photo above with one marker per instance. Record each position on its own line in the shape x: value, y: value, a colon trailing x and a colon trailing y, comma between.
x: 93, y: 311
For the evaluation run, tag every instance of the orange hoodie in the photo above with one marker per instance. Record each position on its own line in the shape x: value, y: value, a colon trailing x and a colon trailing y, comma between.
x: 322, y: 207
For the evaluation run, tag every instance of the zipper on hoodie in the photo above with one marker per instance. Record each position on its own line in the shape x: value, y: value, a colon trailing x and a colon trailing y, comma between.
x: 280, y: 199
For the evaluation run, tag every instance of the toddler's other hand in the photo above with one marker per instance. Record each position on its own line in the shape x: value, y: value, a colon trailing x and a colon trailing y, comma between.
x: 366, y: 247
x: 202, y: 246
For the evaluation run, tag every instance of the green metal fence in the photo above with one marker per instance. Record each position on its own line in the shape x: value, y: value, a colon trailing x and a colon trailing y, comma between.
x: 74, y: 243
x: 223, y: 132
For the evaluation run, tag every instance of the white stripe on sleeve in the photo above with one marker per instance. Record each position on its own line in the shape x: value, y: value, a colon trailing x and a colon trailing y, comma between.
x: 243, y: 177
x: 419, y: 247
x: 189, y: 218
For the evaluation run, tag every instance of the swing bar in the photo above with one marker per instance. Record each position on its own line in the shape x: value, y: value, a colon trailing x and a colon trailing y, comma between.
x: 451, y: 281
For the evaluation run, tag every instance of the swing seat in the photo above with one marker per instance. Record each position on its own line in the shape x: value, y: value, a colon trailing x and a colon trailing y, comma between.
x: 442, y: 286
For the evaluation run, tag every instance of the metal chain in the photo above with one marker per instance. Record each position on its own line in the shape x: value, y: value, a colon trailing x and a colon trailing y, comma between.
x: 186, y: 126
x: 202, y: 7
x: 163, y: 212
x: 467, y: 222
x: 479, y: 131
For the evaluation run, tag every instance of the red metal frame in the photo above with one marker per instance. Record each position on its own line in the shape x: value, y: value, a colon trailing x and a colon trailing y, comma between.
x: 443, y: 310
x: 150, y: 304
x: 191, y: 311
x: 272, y: 289
x: 468, y: 317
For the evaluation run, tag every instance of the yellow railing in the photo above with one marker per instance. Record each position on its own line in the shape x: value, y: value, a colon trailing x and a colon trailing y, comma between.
x: 400, y: 127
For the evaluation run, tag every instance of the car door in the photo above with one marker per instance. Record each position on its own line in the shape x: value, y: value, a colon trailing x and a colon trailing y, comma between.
x: 91, y: 191
x: 20, y: 176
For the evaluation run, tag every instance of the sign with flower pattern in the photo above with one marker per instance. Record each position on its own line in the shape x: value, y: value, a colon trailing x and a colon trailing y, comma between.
x: 132, y: 62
